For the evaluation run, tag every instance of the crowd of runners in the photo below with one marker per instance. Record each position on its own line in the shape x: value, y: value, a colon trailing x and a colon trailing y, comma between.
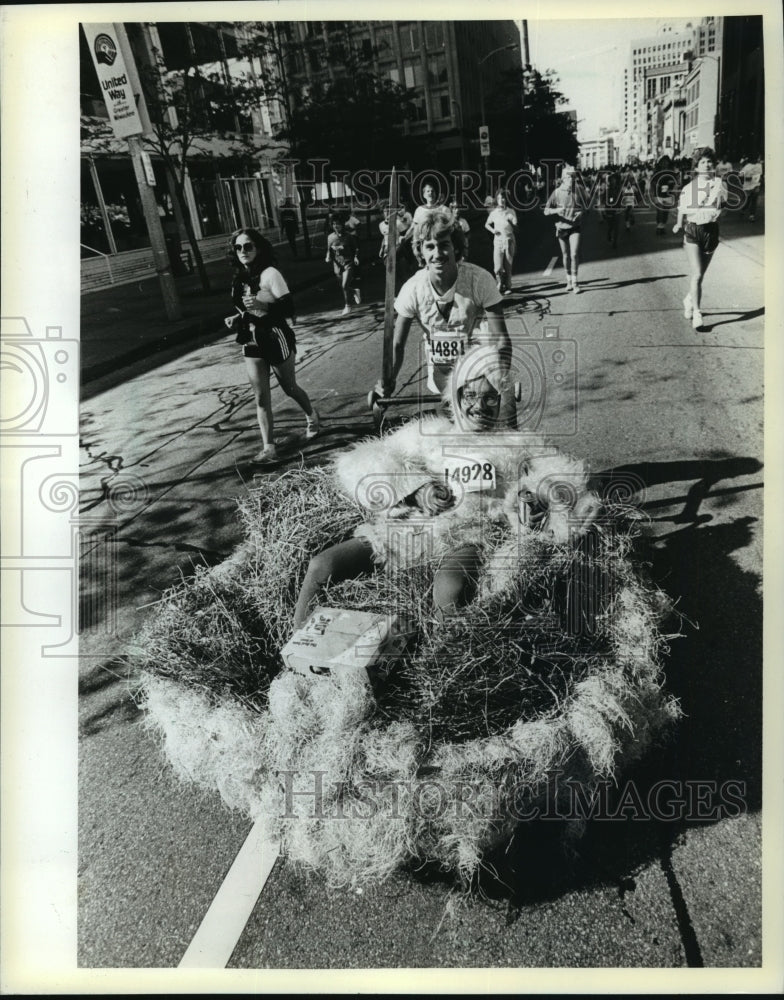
x: 458, y: 302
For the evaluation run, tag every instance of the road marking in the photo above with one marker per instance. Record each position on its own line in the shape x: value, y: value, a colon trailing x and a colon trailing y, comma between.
x: 549, y: 269
x: 230, y: 910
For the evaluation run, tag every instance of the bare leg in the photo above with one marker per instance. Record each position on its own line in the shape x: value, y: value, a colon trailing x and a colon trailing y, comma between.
x: 288, y: 383
x: 347, y: 284
x: 258, y: 375
x: 455, y: 582
x: 574, y: 247
x: 343, y: 561
x: 509, y: 253
x: 564, y: 244
x: 698, y: 264
x: 498, y: 263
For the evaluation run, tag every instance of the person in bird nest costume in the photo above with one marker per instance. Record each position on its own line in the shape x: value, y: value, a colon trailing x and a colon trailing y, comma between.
x: 495, y: 530
x: 456, y: 490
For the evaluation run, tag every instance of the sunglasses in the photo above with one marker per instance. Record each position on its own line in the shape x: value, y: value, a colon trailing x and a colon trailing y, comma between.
x: 244, y: 246
x: 471, y: 398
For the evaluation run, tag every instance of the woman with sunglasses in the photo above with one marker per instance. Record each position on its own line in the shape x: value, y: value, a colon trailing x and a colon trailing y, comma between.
x: 452, y: 491
x: 264, y: 304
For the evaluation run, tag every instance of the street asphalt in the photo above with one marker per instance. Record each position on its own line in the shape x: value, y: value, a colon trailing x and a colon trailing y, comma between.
x: 171, y: 432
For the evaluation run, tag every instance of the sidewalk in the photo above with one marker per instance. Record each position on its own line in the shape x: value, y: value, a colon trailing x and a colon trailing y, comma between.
x: 126, y: 323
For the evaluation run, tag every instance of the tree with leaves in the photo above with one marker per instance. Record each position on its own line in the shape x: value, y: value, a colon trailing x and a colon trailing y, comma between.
x: 354, y: 119
x: 191, y: 106
x: 525, y: 123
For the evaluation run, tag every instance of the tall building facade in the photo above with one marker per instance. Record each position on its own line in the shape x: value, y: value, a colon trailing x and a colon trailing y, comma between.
x: 451, y: 68
x: 742, y: 105
x: 656, y: 63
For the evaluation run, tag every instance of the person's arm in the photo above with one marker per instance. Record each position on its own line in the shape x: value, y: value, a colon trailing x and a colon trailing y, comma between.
x: 330, y: 241
x: 680, y: 215
x: 549, y: 205
x: 490, y: 224
x: 399, y: 338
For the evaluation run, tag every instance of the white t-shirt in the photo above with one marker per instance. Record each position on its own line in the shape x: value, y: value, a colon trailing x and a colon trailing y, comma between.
x: 461, y: 307
x: 419, y: 213
x: 272, y: 286
x: 701, y: 200
x: 502, y: 220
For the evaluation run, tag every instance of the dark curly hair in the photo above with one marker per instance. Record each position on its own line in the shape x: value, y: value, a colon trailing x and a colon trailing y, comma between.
x: 704, y: 151
x: 265, y: 253
x: 434, y: 223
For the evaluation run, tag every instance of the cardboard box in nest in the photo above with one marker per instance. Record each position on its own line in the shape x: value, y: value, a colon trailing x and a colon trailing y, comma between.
x: 337, y: 641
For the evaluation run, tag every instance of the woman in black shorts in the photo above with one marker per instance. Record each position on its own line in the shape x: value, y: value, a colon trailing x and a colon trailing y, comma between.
x: 564, y: 204
x: 263, y: 303
x: 699, y: 209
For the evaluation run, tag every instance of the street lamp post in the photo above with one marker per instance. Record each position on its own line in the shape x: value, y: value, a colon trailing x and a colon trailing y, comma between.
x: 511, y: 46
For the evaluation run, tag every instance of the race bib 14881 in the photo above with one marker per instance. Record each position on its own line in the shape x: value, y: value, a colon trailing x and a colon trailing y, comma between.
x: 445, y: 347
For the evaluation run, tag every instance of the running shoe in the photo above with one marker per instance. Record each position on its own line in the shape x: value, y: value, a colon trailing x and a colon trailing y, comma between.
x: 575, y: 287
x: 696, y: 319
x: 269, y: 453
x: 568, y: 282
x: 688, y: 309
x: 357, y: 296
x: 346, y: 310
x: 312, y: 426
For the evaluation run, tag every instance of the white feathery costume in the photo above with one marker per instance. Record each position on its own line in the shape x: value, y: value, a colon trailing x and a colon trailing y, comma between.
x: 488, y: 482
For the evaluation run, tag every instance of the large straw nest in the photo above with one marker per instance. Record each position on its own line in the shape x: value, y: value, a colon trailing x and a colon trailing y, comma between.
x: 437, y: 764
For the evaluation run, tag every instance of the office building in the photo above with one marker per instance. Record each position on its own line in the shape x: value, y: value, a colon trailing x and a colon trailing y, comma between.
x: 657, y: 63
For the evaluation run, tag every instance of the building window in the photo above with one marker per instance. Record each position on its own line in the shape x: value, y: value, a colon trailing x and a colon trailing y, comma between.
x: 230, y: 45
x: 296, y: 62
x: 412, y: 73
x: 384, y: 45
x: 434, y: 34
x: 409, y: 39
x: 394, y: 74
x: 175, y: 46
x: 441, y: 106
x: 206, y: 45
x: 418, y: 110
x: 436, y: 69
x: 365, y: 48
x: 314, y: 58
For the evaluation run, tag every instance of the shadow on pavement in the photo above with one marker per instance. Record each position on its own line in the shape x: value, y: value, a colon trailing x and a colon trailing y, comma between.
x: 712, y: 762
x: 737, y: 317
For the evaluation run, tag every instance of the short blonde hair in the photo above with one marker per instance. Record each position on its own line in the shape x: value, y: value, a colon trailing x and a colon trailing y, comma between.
x: 435, y: 223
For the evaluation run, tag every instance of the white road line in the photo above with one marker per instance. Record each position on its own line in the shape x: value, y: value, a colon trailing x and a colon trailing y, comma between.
x: 233, y: 904
x: 549, y: 269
